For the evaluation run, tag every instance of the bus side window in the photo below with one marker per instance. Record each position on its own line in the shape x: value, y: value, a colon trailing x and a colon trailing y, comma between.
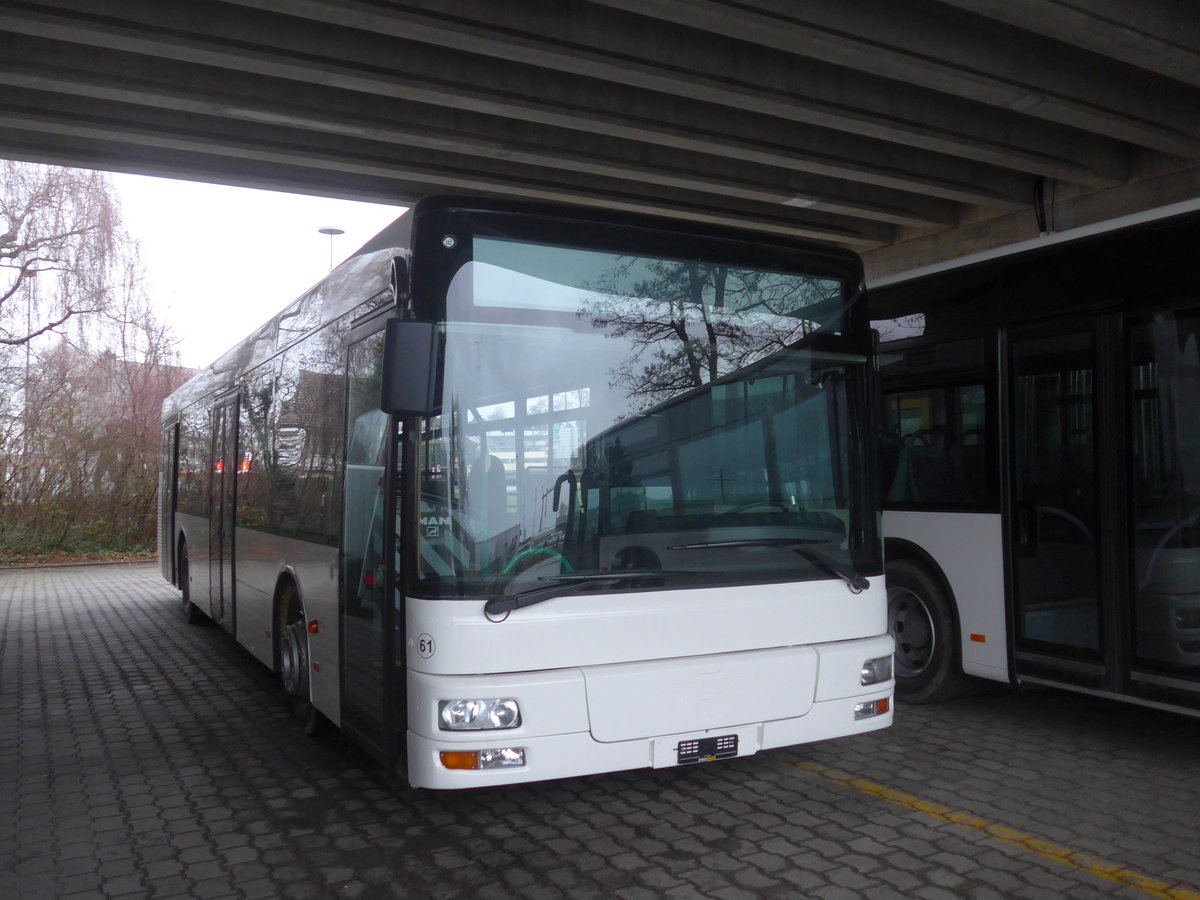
x: 969, y: 450
x: 934, y: 450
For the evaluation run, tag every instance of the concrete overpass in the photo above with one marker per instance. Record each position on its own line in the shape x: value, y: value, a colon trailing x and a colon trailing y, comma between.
x: 912, y: 132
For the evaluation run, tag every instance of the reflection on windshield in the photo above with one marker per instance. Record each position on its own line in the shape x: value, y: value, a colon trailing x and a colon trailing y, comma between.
x: 603, y: 422
x: 687, y: 324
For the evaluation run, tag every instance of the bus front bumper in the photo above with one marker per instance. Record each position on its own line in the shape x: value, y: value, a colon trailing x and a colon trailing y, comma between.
x: 570, y: 755
x: 560, y: 736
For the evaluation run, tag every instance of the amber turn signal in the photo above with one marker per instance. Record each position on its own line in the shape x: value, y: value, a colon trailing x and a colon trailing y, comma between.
x: 460, y: 759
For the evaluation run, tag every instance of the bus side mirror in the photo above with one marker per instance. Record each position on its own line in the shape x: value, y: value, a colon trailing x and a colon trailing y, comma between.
x: 410, y: 358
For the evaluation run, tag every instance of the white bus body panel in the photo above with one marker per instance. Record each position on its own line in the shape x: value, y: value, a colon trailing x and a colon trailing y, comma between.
x: 676, y: 696
x: 969, y: 549
x: 615, y: 681
x: 261, y: 559
x: 601, y: 628
x: 194, y: 530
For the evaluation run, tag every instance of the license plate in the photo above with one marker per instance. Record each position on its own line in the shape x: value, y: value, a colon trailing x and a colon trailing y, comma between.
x: 707, y: 749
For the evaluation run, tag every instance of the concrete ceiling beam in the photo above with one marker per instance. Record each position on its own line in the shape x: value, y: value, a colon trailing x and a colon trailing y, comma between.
x: 1160, y: 36
x: 1026, y: 73
x: 658, y: 121
x: 184, y: 134
x: 780, y: 85
x: 440, y: 131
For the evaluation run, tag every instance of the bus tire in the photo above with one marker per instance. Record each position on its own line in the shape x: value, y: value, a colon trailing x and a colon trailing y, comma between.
x: 294, y: 662
x: 921, y: 621
x: 191, y: 612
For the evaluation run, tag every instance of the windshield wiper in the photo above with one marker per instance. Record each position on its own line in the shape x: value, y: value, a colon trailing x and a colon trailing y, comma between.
x: 800, y: 546
x: 569, y: 582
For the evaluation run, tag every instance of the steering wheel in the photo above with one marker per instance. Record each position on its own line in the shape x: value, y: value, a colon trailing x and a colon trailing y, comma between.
x: 1172, y: 533
x: 535, y: 551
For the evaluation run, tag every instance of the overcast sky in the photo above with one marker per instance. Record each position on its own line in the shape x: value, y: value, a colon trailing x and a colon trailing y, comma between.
x: 220, y: 261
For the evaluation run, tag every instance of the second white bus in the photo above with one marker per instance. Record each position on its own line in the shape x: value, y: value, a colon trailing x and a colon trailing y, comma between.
x: 1042, y: 468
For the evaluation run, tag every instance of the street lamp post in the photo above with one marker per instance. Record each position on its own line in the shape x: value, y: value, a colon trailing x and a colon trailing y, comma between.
x: 331, y: 232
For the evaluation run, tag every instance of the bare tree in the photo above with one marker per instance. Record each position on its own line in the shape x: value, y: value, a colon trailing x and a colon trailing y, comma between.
x: 59, y: 233
x: 84, y: 368
x: 84, y: 466
x: 135, y: 371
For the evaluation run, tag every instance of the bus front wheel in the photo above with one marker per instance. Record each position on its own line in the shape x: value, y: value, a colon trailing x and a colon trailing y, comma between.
x: 921, y: 621
x: 191, y: 612
x: 294, y: 660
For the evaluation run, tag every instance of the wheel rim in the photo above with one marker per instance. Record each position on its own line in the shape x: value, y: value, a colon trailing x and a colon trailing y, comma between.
x: 293, y: 659
x: 911, y: 625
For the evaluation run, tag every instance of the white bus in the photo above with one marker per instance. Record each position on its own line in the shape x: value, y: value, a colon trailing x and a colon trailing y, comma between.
x: 1041, y: 468
x: 521, y: 492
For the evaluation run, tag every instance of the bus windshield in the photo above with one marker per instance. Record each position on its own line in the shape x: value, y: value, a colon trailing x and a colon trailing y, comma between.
x: 687, y: 424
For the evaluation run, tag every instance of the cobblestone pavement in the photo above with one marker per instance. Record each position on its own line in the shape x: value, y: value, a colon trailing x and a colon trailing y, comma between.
x: 143, y: 758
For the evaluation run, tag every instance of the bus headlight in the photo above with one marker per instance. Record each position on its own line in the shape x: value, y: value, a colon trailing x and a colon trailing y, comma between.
x: 478, y: 715
x: 876, y: 670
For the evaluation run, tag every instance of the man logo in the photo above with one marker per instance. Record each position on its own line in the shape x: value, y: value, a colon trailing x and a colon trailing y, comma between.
x: 433, y: 525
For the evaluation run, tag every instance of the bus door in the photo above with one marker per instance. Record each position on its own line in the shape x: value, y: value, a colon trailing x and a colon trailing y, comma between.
x: 368, y: 580
x: 1164, y: 431
x: 168, y: 485
x: 222, y: 490
x: 1054, y: 506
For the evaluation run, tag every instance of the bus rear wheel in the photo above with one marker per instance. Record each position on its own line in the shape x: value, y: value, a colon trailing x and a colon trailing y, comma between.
x: 921, y: 621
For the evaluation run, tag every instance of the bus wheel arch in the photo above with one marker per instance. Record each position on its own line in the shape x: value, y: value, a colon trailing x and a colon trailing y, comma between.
x: 292, y: 660
x: 923, y: 620
x: 191, y: 612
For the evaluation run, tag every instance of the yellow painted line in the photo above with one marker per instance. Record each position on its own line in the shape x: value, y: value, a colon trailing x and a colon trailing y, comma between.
x: 1084, y: 862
